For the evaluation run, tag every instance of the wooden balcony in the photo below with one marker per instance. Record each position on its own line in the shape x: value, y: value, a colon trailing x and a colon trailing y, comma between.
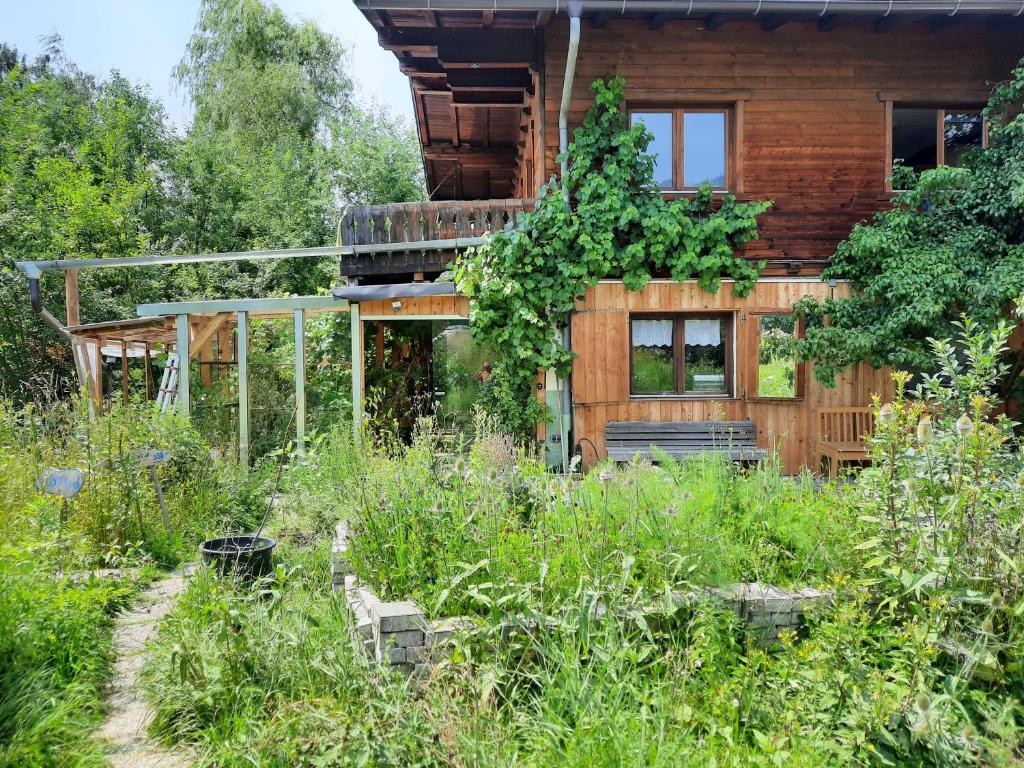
x: 419, y: 222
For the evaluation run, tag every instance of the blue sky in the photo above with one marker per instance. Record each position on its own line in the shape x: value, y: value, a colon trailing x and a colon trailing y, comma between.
x: 145, y: 39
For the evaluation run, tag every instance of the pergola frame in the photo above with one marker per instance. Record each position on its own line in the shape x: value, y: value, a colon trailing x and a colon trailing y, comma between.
x: 299, y: 308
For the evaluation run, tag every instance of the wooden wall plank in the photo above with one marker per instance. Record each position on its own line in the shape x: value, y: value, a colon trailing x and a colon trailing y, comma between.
x: 600, y: 377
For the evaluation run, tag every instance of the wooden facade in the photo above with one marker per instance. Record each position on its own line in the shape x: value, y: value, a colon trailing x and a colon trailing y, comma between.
x: 601, y: 372
x: 809, y: 100
x: 809, y: 108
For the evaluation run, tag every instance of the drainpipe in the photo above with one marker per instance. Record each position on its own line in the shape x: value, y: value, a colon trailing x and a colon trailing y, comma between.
x: 575, y: 10
x: 562, y: 385
x: 43, y: 312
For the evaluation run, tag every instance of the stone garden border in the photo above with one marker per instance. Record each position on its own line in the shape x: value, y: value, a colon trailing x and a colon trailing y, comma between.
x: 398, y: 634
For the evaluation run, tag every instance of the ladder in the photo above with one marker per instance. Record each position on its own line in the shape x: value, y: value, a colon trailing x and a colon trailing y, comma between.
x: 167, y: 395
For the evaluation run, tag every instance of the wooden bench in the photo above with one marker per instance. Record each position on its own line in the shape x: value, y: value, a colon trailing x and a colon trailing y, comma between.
x: 683, y: 439
x: 842, y: 435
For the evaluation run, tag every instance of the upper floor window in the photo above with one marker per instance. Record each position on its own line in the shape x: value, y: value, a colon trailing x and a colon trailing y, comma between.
x: 926, y: 137
x: 690, y: 146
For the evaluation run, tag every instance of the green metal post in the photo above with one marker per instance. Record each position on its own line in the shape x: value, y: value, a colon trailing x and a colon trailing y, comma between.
x: 243, y: 388
x: 184, y: 406
x: 300, y: 381
x: 357, y: 369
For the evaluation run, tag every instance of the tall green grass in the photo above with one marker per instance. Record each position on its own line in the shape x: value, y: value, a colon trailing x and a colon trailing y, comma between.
x: 424, y: 523
x: 55, y: 617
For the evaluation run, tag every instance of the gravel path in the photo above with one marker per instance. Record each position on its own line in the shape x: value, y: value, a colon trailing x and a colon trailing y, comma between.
x: 125, y: 727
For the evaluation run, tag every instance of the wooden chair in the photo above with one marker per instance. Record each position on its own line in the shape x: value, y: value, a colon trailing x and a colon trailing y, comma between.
x: 842, y: 435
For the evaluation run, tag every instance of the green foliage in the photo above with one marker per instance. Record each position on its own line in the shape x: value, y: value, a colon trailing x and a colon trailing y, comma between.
x: 606, y: 219
x: 91, y: 167
x: 951, y: 243
x: 421, y: 523
x: 55, y: 653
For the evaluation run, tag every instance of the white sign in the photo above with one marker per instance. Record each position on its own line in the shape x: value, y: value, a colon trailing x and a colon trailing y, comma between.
x: 61, y: 482
x: 151, y: 457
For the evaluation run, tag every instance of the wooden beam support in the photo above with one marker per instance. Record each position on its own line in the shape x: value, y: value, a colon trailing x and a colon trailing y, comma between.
x: 657, y: 20
x: 184, y: 356
x: 71, y: 297
x: 149, y: 373
x: 775, y: 20
x: 472, y: 157
x: 716, y: 20
x: 124, y: 373
x: 300, y: 382
x: 889, y: 23
x: 836, y: 20
x: 205, y: 334
x: 243, y: 388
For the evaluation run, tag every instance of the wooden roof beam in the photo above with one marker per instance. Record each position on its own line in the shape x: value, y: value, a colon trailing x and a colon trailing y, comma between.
x: 775, y: 20
x: 657, y: 20
x: 887, y: 23
x: 716, y: 20
x: 836, y: 20
x: 472, y: 158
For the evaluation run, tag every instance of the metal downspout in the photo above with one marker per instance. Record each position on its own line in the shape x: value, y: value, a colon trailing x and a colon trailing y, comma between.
x: 78, y: 352
x: 564, y: 395
x: 575, y: 10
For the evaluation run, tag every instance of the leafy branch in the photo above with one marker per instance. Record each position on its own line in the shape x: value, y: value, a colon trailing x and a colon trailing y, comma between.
x: 614, y: 222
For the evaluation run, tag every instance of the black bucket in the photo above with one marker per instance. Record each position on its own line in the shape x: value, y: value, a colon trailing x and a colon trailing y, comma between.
x: 243, y: 555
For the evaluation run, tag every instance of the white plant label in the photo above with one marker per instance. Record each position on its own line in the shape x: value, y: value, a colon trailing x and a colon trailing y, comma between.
x: 61, y: 482
x: 150, y: 457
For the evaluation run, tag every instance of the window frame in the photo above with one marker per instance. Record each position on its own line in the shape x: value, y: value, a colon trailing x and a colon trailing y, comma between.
x: 677, y: 111
x: 801, y: 367
x: 941, y: 108
x: 679, y: 355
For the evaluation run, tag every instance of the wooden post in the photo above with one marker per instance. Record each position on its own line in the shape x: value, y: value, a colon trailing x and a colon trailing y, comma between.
x: 184, y: 406
x: 242, y: 347
x: 380, y: 344
x: 149, y: 373
x: 300, y: 381
x: 97, y: 376
x: 124, y: 372
x: 71, y: 297
x: 224, y: 355
x: 357, y: 369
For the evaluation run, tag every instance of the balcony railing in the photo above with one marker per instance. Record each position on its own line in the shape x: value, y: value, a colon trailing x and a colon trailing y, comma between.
x: 418, y: 222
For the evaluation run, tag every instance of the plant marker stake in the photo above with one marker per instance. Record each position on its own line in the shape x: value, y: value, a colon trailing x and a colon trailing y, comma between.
x: 150, y: 458
x: 64, y: 483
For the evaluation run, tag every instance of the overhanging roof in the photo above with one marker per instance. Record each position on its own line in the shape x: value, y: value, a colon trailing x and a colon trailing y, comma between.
x: 473, y: 65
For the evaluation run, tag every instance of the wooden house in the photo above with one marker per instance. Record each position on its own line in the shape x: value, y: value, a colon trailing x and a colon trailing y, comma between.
x: 803, y: 102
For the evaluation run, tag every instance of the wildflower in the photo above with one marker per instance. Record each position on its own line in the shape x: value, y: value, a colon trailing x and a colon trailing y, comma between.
x: 910, y: 484
x: 996, y: 601
x: 886, y: 413
x: 969, y: 732
x: 492, y: 474
x: 964, y: 425
x: 605, y: 476
x: 671, y: 510
x: 460, y: 466
x: 697, y: 663
x: 925, y: 431
x: 735, y: 703
x: 922, y: 701
x: 986, y: 626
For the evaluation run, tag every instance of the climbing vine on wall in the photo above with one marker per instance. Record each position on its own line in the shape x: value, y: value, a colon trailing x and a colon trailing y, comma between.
x: 522, y: 283
x: 951, y: 243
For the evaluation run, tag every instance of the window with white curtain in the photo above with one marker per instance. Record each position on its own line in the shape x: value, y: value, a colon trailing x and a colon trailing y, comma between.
x: 681, y: 354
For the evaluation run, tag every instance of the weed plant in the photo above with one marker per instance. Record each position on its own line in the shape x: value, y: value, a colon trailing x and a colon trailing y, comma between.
x: 447, y: 530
